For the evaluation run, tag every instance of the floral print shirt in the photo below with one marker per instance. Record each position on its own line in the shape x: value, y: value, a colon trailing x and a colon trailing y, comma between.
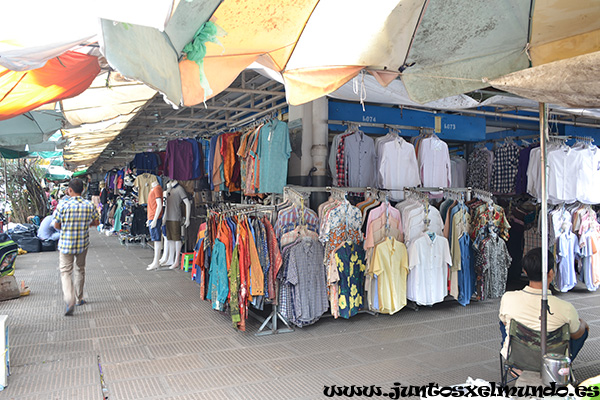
x: 350, y: 262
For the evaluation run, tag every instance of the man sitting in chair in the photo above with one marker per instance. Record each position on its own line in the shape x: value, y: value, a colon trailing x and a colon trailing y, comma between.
x: 525, y: 306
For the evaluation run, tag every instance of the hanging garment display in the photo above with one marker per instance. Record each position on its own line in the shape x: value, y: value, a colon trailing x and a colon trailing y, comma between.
x: 146, y: 162
x: 505, y: 167
x: 274, y: 150
x: 479, y: 169
x: 434, y: 162
x: 429, y: 259
x: 398, y: 167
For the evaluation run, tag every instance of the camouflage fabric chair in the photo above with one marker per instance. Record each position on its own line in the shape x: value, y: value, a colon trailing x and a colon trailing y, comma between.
x: 524, y: 349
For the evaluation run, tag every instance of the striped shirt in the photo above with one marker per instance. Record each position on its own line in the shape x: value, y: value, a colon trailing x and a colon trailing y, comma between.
x: 75, y: 216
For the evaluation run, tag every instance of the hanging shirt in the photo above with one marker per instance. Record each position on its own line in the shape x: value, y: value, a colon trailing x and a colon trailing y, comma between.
x: 145, y: 162
x: 563, y: 166
x: 275, y: 259
x: 590, y: 251
x: 482, y: 216
x: 505, y: 167
x: 217, y: 168
x: 359, y: 157
x: 521, y: 178
x: 398, y: 167
x: 534, y: 177
x: 234, y: 285
x: 429, y: 258
x: 379, y: 228
x: 466, y: 274
x: 340, y: 161
x: 333, y: 158
x: 434, y: 163
x: 289, y: 218
x: 458, y: 172
x: 179, y: 159
x: 218, y: 282
x: 568, y: 251
x: 492, y: 263
x: 274, y: 150
x: 211, y: 159
x: 306, y: 274
x: 588, y: 176
x: 198, y: 162
x: 350, y: 263
x: 382, y: 210
x: 390, y: 265
x: 143, y: 184
x: 479, y: 169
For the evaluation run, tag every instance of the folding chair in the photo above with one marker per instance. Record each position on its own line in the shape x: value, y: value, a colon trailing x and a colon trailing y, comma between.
x: 524, y: 349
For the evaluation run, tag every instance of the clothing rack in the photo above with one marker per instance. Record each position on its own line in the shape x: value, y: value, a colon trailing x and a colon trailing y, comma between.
x: 295, y: 194
x: 558, y: 139
x: 378, y: 125
x: 483, y: 195
x: 585, y: 139
x: 458, y: 194
x: 229, y: 209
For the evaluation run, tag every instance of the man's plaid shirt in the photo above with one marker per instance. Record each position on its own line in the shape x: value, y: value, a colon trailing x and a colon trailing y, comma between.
x: 75, y: 216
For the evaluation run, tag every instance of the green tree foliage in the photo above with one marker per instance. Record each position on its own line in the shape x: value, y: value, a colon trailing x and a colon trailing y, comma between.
x: 24, y: 189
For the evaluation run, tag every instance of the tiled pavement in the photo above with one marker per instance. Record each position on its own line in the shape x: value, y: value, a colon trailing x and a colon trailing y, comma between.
x: 156, y: 339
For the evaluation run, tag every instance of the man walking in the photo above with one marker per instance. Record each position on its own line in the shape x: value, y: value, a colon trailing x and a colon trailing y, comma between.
x: 73, y: 217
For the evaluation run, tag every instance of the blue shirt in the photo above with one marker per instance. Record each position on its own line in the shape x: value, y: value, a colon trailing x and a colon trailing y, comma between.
x: 47, y: 229
x: 273, y: 150
x: 218, y: 280
x: 197, y: 170
x: 466, y: 273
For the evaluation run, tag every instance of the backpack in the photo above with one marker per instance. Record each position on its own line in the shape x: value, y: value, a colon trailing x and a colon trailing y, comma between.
x: 8, y: 254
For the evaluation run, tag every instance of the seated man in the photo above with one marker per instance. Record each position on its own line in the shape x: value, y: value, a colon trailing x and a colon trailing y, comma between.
x: 47, y: 231
x: 525, y: 306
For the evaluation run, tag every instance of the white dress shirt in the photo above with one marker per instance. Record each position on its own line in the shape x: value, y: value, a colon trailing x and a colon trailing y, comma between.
x: 563, y: 167
x: 428, y: 259
x: 588, y: 176
x: 398, y: 167
x: 379, y: 142
x: 434, y: 163
x: 534, y: 182
x: 459, y: 172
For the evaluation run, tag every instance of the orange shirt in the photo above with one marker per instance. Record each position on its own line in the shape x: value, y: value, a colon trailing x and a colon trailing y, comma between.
x: 225, y: 237
x: 257, y: 277
x: 155, y: 193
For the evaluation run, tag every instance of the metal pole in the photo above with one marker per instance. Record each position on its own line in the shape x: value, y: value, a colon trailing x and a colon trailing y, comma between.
x: 5, y: 183
x: 544, y: 216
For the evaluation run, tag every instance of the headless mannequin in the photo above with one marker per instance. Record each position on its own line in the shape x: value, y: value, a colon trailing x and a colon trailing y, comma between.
x: 173, y: 247
x: 152, y: 224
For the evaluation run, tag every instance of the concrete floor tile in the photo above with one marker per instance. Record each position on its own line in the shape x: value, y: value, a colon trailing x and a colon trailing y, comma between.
x: 158, y: 341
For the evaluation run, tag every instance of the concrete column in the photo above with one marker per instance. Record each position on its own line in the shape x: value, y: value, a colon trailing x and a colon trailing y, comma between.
x: 320, y: 140
x: 300, y: 164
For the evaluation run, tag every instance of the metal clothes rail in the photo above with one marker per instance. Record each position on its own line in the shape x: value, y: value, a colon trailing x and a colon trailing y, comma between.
x: 272, y: 320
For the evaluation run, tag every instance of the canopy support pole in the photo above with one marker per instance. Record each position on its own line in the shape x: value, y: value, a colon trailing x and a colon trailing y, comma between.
x: 544, y: 216
x: 5, y: 187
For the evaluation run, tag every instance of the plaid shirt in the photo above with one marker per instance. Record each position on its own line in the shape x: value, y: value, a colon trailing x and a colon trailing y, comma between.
x: 505, y: 168
x: 75, y: 216
x: 340, y: 163
x: 288, y: 219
